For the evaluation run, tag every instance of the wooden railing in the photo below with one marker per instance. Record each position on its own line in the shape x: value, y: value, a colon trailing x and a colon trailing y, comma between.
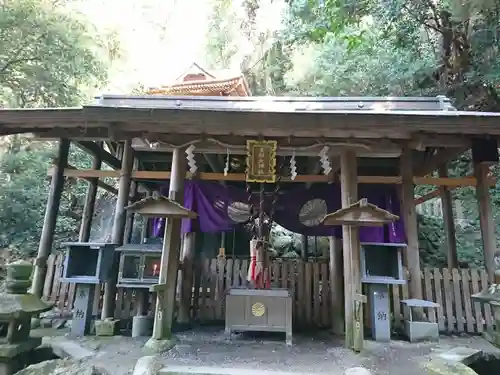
x: 310, y: 282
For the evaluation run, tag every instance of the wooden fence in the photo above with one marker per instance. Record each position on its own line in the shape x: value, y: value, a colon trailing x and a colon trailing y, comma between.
x: 311, y: 286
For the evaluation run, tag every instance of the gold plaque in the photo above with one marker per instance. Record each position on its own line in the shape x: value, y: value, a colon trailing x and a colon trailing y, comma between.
x: 261, y: 161
x: 258, y: 309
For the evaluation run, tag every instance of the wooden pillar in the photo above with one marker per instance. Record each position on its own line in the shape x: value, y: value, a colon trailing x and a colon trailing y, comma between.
x: 165, y: 304
x: 351, y: 252
x: 449, y: 222
x: 337, y: 286
x: 486, y: 220
x: 130, y: 216
x: 409, y: 215
x: 186, y: 287
x: 108, y: 305
x: 88, y: 208
x: 50, y: 219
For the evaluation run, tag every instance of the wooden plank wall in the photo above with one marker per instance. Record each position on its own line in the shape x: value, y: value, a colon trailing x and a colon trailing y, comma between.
x: 310, y: 283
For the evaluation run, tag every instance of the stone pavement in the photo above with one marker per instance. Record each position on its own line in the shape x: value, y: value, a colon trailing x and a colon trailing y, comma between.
x: 207, y: 348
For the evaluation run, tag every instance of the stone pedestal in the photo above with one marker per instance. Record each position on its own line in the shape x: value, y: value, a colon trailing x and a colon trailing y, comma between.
x: 380, y: 313
x: 13, y: 357
x: 82, y: 310
x: 142, y: 326
x: 107, y: 327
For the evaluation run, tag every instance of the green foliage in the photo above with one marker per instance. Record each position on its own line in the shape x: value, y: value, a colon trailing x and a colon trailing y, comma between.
x: 48, y: 56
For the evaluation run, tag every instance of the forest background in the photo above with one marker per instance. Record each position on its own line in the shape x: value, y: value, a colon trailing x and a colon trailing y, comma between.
x: 63, y: 52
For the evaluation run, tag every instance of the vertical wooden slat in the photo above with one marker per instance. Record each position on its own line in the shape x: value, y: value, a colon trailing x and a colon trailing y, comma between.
x: 127, y: 303
x: 308, y: 297
x: 198, y: 269
x: 448, y: 295
x: 49, y: 278
x: 213, y: 286
x: 229, y: 273
x: 97, y: 300
x: 57, y: 278
x: 317, y: 284
x: 474, y: 276
x: 236, y: 273
x: 301, y: 302
x: 469, y: 318
x: 71, y: 297
x: 293, y: 267
x: 244, y: 272
x: 326, y: 312
x: 438, y: 292
x: 428, y: 293
x: 396, y: 304
x: 221, y: 291
x: 204, y: 282
x: 486, y: 306
x: 285, y: 276
x: 120, y: 295
x: 459, y: 314
x: 275, y: 269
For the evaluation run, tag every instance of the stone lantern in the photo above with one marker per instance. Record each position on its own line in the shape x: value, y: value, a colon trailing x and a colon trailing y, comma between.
x: 17, y: 306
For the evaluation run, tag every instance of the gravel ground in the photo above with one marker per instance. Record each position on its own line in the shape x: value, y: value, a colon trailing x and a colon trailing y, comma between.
x: 317, y: 353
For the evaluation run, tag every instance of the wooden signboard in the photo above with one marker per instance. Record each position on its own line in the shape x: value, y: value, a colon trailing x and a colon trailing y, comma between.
x: 261, y: 161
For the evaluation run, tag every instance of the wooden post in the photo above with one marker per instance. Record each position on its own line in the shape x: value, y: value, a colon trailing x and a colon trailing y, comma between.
x: 449, y: 223
x: 186, y: 287
x: 351, y: 252
x: 165, y: 304
x: 88, y: 208
x: 486, y: 218
x: 130, y: 216
x: 50, y: 219
x: 337, y: 286
x: 108, y: 305
x: 409, y: 215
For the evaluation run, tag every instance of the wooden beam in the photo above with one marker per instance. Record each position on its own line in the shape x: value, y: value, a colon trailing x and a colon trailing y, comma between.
x: 161, y: 175
x: 101, y: 184
x: 426, y: 197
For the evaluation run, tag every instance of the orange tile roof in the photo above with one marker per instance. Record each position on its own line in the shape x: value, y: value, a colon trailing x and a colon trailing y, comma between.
x: 236, y: 86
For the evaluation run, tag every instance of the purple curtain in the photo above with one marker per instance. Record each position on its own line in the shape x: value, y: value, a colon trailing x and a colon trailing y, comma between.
x: 211, y: 201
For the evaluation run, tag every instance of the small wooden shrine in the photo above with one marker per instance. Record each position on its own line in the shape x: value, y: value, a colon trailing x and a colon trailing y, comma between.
x: 242, y: 163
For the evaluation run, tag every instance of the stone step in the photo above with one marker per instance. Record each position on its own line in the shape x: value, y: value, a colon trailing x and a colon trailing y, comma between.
x: 202, y: 370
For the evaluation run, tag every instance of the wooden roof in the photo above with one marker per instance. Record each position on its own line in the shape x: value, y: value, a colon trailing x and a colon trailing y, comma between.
x: 161, y: 207
x: 361, y: 213
x: 197, y: 81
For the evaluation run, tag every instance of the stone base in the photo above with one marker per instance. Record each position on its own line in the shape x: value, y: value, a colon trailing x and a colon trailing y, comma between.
x: 13, y: 357
x: 421, y: 331
x: 155, y: 346
x: 142, y: 326
x: 107, y: 327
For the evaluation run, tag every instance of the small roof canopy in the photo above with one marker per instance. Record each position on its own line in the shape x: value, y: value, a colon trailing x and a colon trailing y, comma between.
x: 360, y: 213
x: 161, y: 206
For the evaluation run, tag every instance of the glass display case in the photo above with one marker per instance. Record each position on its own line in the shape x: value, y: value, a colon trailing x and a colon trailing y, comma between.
x: 139, y: 265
